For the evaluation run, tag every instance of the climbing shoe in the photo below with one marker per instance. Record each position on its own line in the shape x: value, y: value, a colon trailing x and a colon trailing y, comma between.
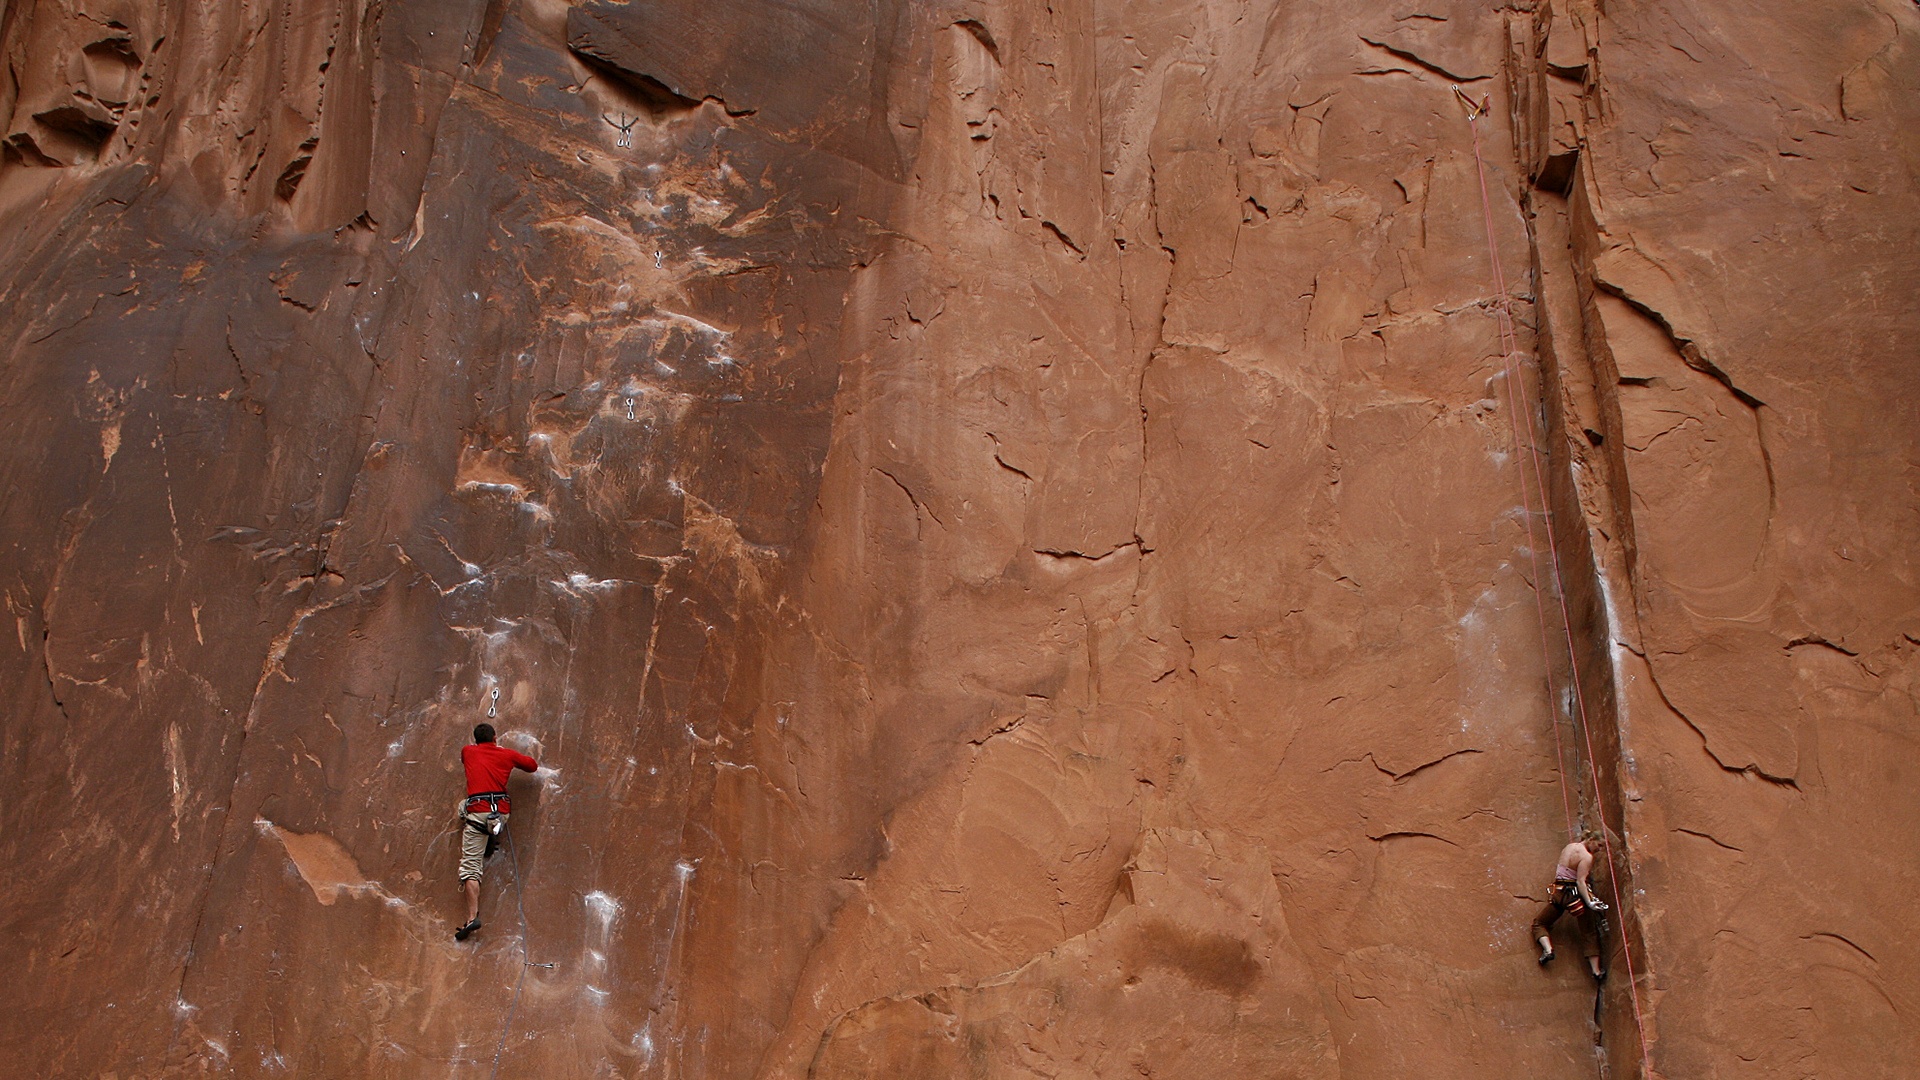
x: 1599, y: 977
x: 467, y: 931
x: 1545, y: 957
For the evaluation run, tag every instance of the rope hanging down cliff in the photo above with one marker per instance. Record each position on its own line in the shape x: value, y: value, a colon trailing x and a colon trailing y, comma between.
x: 1510, y: 348
x: 520, y: 901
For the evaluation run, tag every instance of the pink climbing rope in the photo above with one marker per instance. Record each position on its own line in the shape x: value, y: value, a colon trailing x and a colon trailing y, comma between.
x: 1510, y: 347
x: 1509, y: 350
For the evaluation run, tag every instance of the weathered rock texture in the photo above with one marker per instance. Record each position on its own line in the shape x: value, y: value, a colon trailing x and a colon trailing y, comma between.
x: 1004, y: 521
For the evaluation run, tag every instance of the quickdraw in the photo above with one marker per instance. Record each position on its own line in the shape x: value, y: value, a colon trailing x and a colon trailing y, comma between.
x: 1474, y: 110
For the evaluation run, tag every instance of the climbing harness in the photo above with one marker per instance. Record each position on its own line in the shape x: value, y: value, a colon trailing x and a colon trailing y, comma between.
x: 1566, y: 896
x: 493, y: 824
x: 1510, y: 347
x: 492, y: 800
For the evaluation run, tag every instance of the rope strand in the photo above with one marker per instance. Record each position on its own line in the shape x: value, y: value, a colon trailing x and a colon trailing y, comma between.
x: 1516, y: 386
x: 1509, y: 349
x: 520, y: 901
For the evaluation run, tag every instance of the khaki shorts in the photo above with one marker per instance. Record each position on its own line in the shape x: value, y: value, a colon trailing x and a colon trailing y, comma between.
x: 473, y: 844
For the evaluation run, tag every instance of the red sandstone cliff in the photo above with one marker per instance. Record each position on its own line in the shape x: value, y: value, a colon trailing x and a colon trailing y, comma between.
x: 1004, y: 519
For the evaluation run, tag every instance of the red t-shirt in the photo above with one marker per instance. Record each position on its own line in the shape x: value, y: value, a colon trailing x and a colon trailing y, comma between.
x: 489, y: 765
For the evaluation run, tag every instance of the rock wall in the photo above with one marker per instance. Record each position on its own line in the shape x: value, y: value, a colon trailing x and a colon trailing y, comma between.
x: 1011, y: 526
x: 1714, y: 265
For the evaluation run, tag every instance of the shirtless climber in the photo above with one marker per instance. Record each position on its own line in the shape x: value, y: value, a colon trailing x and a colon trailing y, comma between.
x: 483, y: 813
x: 1572, y: 891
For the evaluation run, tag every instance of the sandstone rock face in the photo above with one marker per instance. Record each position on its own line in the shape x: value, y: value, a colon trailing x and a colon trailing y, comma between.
x: 1013, y: 528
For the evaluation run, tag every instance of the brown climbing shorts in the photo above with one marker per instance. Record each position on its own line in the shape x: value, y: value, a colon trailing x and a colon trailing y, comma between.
x: 473, y: 844
x: 1588, y: 919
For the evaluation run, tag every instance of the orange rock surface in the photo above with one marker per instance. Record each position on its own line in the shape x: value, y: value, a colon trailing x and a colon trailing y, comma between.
x: 1013, y: 528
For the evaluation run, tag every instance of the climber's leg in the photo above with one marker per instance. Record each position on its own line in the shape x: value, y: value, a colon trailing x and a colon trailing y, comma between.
x: 1542, y: 930
x: 474, y: 835
x: 1590, y: 942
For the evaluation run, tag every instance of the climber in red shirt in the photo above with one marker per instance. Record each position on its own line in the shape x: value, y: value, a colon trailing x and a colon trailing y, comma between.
x: 483, y: 813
